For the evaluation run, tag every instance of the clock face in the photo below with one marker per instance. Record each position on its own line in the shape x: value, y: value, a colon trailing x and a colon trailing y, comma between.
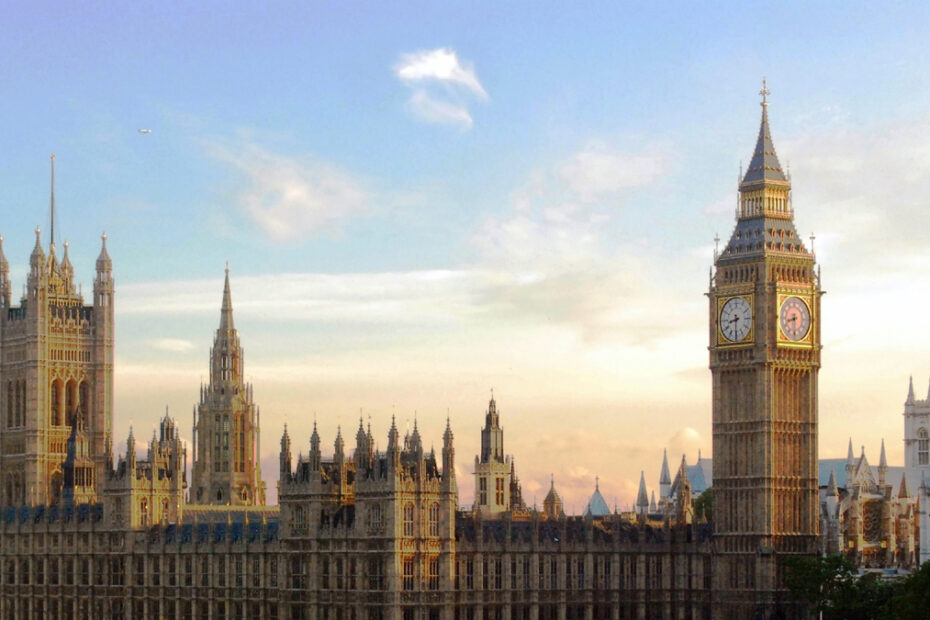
x: 795, y: 318
x: 735, y: 319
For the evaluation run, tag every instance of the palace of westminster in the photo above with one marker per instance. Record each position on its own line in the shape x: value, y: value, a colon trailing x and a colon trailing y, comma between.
x: 366, y: 534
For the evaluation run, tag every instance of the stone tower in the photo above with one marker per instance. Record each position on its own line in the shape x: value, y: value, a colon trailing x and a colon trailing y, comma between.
x: 492, y: 468
x: 56, y: 367
x: 764, y: 358
x: 226, y: 466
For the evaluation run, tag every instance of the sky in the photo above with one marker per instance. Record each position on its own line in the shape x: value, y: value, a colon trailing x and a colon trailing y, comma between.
x: 422, y: 202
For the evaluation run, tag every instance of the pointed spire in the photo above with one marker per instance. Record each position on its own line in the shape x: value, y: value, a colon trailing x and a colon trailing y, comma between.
x: 65, y: 261
x: 928, y: 387
x: 850, y: 459
x: 642, y: 498
x: 103, y: 260
x: 226, y: 313
x: 653, y: 507
x: 831, y: 484
x: 882, y: 461
x: 37, y: 251
x: 903, y: 491
x: 910, y: 392
x: 664, y: 477
x: 764, y: 165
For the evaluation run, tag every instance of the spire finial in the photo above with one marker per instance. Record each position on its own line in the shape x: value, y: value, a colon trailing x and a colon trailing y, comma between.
x: 765, y: 92
x: 52, y: 240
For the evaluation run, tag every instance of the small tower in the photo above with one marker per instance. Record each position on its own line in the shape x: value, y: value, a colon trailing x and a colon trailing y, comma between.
x: 642, y: 497
x: 552, y: 504
x: 492, y: 467
x: 285, y: 459
x: 665, y: 480
x: 226, y: 468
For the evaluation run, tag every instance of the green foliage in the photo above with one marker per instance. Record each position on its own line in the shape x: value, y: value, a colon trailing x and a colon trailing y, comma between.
x: 913, y: 599
x: 831, y: 586
x: 704, y: 504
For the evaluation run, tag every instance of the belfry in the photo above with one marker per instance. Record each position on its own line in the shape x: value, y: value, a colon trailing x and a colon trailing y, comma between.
x: 764, y: 357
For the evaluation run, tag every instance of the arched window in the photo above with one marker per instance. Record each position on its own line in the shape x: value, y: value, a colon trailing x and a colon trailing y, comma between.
x: 434, y: 520
x: 923, y: 447
x: 144, y: 511
x: 374, y: 518
x: 300, y: 520
x: 408, y: 520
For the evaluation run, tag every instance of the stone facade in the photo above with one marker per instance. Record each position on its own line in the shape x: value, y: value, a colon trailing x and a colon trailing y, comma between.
x: 227, y: 434
x: 765, y: 346
x: 56, y: 370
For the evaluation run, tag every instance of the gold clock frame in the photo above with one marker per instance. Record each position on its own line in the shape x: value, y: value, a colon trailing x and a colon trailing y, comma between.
x: 784, y: 341
x: 750, y: 336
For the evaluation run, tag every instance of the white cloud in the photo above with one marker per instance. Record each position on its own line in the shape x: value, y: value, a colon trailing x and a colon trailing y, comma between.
x: 289, y: 198
x: 438, y: 111
x: 442, y: 86
x: 598, y: 171
x: 174, y: 345
x: 441, y: 65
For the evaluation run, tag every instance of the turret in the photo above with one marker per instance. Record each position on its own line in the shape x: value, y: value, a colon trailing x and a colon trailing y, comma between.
x: 131, y: 451
x: 362, y: 454
x: 665, y: 480
x: 315, y: 457
x: 285, y: 456
x: 36, y: 264
x: 339, y: 455
x: 103, y: 282
x: 393, y: 455
x: 448, y: 456
x: 910, y: 392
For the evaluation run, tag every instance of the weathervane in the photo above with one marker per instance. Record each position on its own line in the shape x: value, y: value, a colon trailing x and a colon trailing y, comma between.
x: 765, y: 92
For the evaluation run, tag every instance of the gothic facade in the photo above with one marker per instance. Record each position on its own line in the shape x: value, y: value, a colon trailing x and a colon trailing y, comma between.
x: 226, y: 469
x: 764, y: 359
x: 56, y: 370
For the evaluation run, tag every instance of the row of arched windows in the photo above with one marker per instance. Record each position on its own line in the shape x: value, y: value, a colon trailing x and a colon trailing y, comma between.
x: 67, y: 399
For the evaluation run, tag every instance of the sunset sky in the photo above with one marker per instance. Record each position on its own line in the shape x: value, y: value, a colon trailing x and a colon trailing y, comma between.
x: 420, y: 202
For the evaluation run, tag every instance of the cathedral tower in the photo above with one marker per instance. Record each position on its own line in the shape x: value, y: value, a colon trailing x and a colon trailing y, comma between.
x: 226, y: 466
x: 764, y: 358
x: 56, y: 377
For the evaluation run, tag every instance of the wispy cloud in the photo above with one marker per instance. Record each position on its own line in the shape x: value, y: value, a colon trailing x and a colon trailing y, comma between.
x: 442, y: 85
x: 289, y: 198
x: 174, y: 345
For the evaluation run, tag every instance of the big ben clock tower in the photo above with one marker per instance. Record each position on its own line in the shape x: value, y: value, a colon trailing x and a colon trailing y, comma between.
x: 764, y: 358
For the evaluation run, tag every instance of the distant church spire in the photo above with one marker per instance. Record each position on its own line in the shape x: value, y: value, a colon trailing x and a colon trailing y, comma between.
x: 226, y: 312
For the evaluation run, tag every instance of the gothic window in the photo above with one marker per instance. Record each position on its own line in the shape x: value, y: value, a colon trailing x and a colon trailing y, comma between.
x: 923, y: 447
x: 482, y: 491
x: 300, y: 520
x: 408, y: 520
x: 9, y: 403
x: 144, y: 511
x: 374, y: 518
x: 84, y: 399
x: 409, y: 567
x: 499, y: 491
x: 375, y: 576
x: 433, y: 575
x: 434, y: 520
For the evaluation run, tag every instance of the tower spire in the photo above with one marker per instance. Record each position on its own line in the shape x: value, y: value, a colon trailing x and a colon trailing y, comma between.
x: 226, y: 313
x: 764, y: 165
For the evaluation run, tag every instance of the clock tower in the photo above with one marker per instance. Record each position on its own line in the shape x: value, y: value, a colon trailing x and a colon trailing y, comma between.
x: 764, y: 358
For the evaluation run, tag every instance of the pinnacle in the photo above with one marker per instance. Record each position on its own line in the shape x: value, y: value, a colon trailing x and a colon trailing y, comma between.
x: 764, y: 165
x: 226, y: 313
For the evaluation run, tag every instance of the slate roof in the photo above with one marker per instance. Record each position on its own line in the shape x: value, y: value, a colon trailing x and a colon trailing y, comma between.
x: 764, y: 165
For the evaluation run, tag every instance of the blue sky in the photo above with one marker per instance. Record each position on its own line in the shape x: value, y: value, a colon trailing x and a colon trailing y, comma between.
x: 420, y: 201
